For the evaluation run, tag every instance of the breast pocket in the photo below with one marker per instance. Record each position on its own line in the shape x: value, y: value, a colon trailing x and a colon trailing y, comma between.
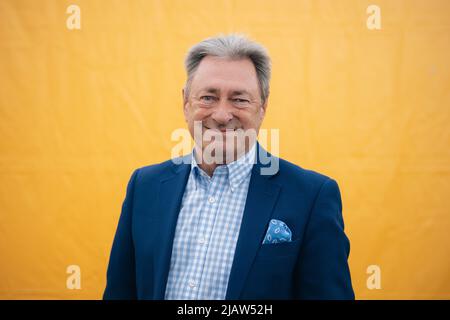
x: 278, y: 250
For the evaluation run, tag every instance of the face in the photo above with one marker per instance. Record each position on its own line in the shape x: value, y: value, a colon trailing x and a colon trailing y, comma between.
x: 224, y: 101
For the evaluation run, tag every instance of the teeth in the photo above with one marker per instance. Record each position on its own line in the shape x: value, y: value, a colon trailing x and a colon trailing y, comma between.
x: 226, y: 130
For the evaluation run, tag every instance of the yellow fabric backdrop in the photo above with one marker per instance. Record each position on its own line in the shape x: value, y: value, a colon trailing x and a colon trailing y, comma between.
x: 80, y: 109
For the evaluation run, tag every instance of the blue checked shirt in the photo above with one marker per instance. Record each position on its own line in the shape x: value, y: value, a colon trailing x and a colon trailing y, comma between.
x: 207, y: 230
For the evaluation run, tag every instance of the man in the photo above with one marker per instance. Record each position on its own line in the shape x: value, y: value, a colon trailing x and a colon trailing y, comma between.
x: 214, y: 225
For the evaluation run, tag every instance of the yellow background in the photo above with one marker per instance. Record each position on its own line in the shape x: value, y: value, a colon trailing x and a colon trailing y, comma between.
x: 80, y: 109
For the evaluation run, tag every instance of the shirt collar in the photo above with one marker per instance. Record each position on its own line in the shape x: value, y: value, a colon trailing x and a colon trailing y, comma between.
x: 237, y: 170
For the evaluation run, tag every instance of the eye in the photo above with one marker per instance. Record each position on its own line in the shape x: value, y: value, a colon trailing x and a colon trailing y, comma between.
x: 240, y: 102
x: 207, y: 99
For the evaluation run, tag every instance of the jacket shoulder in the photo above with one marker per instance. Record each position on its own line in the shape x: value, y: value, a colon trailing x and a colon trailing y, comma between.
x: 298, y: 175
x: 160, y: 170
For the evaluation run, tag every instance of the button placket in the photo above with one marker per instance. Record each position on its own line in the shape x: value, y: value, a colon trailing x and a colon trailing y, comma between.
x: 206, y: 224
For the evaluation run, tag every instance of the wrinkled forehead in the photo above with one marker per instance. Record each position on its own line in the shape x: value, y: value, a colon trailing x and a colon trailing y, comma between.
x: 225, y: 75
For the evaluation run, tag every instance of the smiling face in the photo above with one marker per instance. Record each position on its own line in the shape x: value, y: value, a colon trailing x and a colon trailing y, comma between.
x: 224, y: 96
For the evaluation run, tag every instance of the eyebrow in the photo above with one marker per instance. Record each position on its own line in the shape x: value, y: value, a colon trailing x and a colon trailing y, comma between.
x: 233, y: 93
x: 211, y: 90
x: 240, y: 92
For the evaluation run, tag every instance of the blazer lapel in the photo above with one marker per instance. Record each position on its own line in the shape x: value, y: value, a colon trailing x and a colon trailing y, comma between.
x: 261, y: 198
x: 170, y: 196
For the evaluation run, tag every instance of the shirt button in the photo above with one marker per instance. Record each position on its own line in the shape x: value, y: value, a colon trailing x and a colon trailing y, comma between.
x: 211, y: 199
x: 202, y: 241
x: 192, y: 284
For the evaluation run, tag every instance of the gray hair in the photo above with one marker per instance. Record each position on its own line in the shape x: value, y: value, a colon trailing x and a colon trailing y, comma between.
x: 233, y: 47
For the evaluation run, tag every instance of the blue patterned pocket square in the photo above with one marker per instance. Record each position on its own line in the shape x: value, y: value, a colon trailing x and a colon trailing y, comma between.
x: 277, y: 232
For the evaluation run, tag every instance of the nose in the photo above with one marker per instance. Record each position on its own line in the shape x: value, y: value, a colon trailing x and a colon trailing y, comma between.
x: 222, y: 114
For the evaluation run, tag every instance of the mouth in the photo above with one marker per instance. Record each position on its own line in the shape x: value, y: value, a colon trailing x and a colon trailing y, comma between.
x: 221, y: 130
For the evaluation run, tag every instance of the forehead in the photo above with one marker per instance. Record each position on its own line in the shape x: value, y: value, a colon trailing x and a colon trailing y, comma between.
x: 225, y: 74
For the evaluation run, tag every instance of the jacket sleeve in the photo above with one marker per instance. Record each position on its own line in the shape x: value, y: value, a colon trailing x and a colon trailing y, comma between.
x: 322, y: 271
x: 121, y: 278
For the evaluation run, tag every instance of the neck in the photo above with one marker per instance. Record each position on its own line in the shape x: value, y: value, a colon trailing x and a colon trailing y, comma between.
x: 210, y: 167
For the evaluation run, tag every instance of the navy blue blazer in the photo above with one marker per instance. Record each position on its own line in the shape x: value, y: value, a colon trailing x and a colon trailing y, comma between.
x: 312, y: 266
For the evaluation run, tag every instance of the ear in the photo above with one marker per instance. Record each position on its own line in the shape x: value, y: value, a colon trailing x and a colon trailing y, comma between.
x: 185, y: 103
x: 183, y: 97
x: 263, y: 110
